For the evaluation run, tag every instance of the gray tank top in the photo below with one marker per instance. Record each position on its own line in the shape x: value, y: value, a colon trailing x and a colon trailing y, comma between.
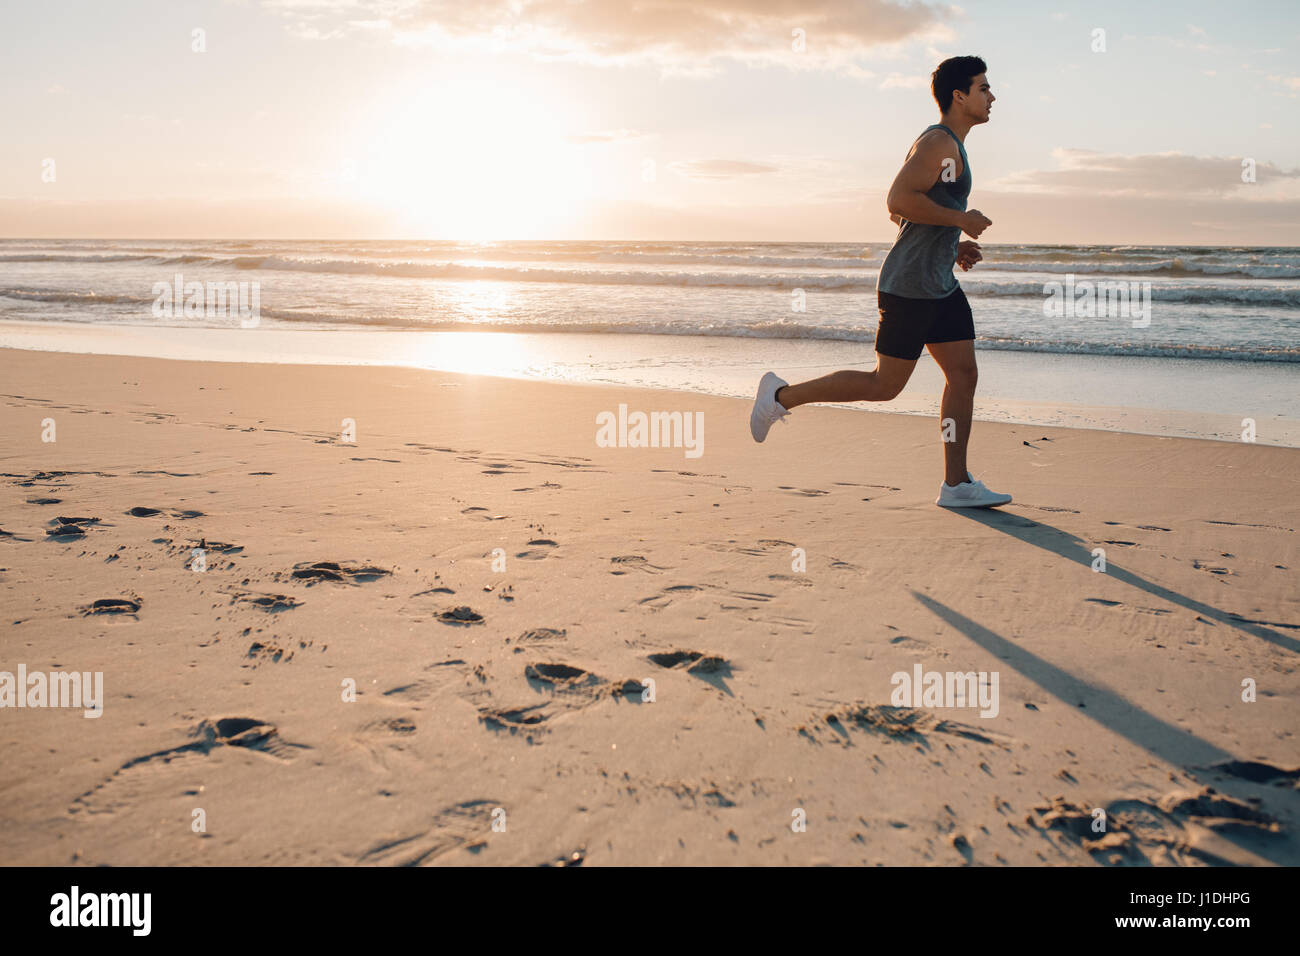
x: 919, y: 266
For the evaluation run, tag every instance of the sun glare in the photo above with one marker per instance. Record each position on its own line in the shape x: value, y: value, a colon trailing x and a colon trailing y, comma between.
x: 476, y: 158
x: 474, y: 353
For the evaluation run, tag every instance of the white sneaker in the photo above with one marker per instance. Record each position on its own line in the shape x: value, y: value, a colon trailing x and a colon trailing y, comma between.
x: 970, y: 494
x: 767, y: 410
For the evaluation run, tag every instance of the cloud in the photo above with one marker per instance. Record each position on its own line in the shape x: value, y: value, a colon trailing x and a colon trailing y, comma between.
x: 686, y: 35
x: 720, y: 168
x: 1086, y: 172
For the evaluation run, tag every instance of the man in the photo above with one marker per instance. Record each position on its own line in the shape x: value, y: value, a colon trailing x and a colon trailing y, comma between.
x: 920, y: 300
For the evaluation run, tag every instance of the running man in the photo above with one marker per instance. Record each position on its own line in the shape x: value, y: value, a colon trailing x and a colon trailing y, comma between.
x: 921, y: 303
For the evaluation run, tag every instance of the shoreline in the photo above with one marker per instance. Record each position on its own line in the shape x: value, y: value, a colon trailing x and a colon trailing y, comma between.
x: 1159, y: 401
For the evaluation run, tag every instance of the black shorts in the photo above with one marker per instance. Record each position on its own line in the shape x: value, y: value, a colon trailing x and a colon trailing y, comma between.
x: 908, y: 325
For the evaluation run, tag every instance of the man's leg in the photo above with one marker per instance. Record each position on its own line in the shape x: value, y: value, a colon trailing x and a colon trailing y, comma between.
x: 879, y: 385
x: 957, y: 359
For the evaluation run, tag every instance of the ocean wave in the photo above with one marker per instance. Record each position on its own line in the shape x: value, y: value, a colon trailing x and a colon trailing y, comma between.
x: 59, y: 296
x: 777, y: 330
x: 1161, y: 267
x: 1231, y: 293
x: 477, y: 265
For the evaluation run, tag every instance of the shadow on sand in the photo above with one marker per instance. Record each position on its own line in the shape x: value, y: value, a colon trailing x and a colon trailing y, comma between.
x: 1161, y: 739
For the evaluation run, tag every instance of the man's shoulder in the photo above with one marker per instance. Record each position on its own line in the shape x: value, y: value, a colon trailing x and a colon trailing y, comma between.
x: 937, y: 139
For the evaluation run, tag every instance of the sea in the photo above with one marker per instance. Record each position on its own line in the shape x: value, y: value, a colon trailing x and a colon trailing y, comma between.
x: 1210, y: 332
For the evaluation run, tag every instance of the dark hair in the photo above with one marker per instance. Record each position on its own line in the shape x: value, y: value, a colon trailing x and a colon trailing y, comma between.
x: 954, y: 73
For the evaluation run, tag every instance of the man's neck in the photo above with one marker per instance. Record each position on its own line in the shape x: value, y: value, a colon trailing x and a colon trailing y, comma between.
x: 959, y: 125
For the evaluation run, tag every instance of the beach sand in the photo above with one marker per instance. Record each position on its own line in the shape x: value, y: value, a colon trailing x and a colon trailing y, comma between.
x: 515, y: 732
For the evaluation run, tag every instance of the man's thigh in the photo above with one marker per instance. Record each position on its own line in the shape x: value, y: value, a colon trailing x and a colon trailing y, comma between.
x: 956, y: 359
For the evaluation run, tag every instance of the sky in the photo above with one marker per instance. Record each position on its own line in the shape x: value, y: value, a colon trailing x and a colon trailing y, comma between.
x: 753, y: 120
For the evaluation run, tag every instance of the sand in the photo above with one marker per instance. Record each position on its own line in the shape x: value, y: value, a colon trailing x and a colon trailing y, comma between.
x: 501, y: 591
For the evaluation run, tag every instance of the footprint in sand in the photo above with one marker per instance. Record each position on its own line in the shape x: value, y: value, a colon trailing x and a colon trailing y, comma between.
x: 693, y: 662
x: 460, y: 617
x: 568, y: 689
x: 221, y: 547
x: 464, y: 824
x: 539, y: 636
x: 538, y: 548
x: 334, y: 571
x: 142, y: 512
x: 1182, y: 827
x: 907, y: 724
x: 557, y: 677
x: 916, y: 646
x: 454, y: 676
x: 68, y: 528
x: 801, y: 580
x: 145, y: 777
x: 755, y: 596
x: 1244, y: 524
x: 269, y: 652
x: 731, y: 546
x: 709, y: 668
x: 436, y: 590
x: 271, y: 603
x: 634, y: 562
x: 382, y: 743
x: 124, y: 606
x: 513, y: 719
x: 400, y: 726
x: 664, y: 598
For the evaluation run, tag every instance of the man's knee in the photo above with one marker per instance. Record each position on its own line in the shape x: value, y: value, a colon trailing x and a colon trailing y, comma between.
x: 964, y: 377
x: 889, y: 390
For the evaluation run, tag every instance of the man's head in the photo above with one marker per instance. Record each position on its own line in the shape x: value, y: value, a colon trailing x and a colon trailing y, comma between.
x: 960, y: 87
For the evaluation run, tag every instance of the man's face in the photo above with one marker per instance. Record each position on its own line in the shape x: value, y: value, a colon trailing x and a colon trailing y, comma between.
x: 979, y: 100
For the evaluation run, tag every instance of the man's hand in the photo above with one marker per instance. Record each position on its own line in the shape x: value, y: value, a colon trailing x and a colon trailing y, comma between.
x: 976, y: 222
x: 968, y: 253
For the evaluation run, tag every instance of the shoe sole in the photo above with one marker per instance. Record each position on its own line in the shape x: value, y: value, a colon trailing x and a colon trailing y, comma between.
x: 753, y: 429
x: 987, y: 504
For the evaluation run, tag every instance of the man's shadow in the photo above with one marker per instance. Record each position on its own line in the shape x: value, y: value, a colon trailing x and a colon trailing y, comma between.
x: 1072, y: 548
x: 1163, y: 740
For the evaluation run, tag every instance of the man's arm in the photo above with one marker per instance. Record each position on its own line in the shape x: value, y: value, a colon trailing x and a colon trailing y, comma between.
x: 907, y: 196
